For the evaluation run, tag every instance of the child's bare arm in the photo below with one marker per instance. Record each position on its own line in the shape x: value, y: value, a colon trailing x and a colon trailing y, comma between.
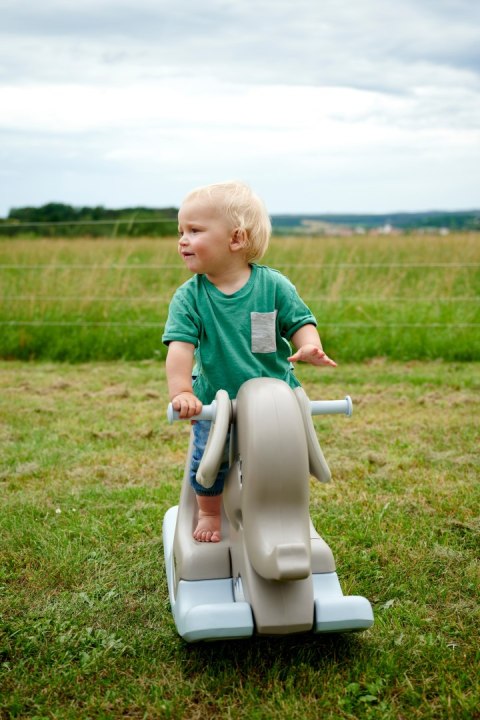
x: 309, y: 347
x: 179, y: 366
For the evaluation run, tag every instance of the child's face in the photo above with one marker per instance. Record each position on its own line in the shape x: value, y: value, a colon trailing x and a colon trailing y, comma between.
x: 204, y: 238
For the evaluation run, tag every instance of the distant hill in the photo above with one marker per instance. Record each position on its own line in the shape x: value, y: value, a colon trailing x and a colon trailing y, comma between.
x: 59, y: 219
x: 450, y: 220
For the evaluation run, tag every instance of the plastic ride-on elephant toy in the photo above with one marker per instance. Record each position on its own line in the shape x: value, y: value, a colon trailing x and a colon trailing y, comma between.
x: 271, y: 573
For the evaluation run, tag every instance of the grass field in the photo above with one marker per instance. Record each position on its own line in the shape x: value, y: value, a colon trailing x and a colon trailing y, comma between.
x: 403, y: 297
x: 88, y: 468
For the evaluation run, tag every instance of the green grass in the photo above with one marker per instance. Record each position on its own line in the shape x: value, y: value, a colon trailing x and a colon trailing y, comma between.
x: 407, y: 297
x: 88, y: 468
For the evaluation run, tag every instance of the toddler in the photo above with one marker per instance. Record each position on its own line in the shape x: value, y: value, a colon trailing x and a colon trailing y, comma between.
x: 232, y: 321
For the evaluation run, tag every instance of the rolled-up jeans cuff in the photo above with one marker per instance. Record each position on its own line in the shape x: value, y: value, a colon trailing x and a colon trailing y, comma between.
x: 201, y: 429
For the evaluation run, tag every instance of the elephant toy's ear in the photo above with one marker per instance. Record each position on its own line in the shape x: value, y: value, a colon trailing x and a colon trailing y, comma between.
x: 317, y: 464
x: 212, y: 457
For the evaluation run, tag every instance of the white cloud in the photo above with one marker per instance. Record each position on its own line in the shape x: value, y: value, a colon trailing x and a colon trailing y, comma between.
x: 103, y: 101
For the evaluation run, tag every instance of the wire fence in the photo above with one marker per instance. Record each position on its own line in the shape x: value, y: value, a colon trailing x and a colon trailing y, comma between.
x: 67, y: 323
x: 66, y: 223
x: 166, y: 298
x: 135, y: 226
x: 163, y: 299
x: 173, y: 266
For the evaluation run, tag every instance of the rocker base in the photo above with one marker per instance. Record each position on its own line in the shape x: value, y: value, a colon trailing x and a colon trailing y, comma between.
x: 208, y: 610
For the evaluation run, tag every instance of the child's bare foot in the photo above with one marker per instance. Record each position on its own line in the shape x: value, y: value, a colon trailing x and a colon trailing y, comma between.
x: 208, y: 528
x: 209, y: 518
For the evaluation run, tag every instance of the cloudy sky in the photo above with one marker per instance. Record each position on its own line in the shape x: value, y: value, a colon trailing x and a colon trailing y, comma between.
x: 321, y: 105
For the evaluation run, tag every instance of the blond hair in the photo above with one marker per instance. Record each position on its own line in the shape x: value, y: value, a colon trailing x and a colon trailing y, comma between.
x: 243, y: 209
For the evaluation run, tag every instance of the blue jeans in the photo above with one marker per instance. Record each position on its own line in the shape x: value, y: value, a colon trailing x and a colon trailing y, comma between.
x: 201, y: 429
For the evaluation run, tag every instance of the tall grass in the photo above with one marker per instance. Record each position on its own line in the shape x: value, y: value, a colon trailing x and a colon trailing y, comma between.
x: 405, y: 297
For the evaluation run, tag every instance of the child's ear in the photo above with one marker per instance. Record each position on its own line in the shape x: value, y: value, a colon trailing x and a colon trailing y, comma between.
x: 238, y: 241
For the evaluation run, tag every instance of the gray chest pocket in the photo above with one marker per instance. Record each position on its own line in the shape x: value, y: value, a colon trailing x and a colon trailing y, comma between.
x: 263, y: 327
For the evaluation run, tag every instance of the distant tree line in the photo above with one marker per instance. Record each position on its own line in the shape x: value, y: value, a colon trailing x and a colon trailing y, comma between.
x: 61, y: 220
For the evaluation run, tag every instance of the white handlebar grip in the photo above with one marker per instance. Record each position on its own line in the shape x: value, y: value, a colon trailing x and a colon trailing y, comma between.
x: 208, y: 413
x: 332, y: 407
x: 318, y: 407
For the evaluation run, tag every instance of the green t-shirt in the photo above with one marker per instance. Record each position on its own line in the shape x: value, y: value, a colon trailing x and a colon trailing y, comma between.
x: 240, y: 336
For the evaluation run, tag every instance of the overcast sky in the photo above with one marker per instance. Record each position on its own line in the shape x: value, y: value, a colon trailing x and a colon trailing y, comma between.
x: 321, y: 105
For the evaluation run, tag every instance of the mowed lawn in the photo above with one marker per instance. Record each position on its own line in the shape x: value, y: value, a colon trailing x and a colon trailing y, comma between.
x: 88, y: 468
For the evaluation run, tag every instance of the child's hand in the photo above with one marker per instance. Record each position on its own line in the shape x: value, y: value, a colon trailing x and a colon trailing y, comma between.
x: 187, y: 404
x: 312, y: 354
